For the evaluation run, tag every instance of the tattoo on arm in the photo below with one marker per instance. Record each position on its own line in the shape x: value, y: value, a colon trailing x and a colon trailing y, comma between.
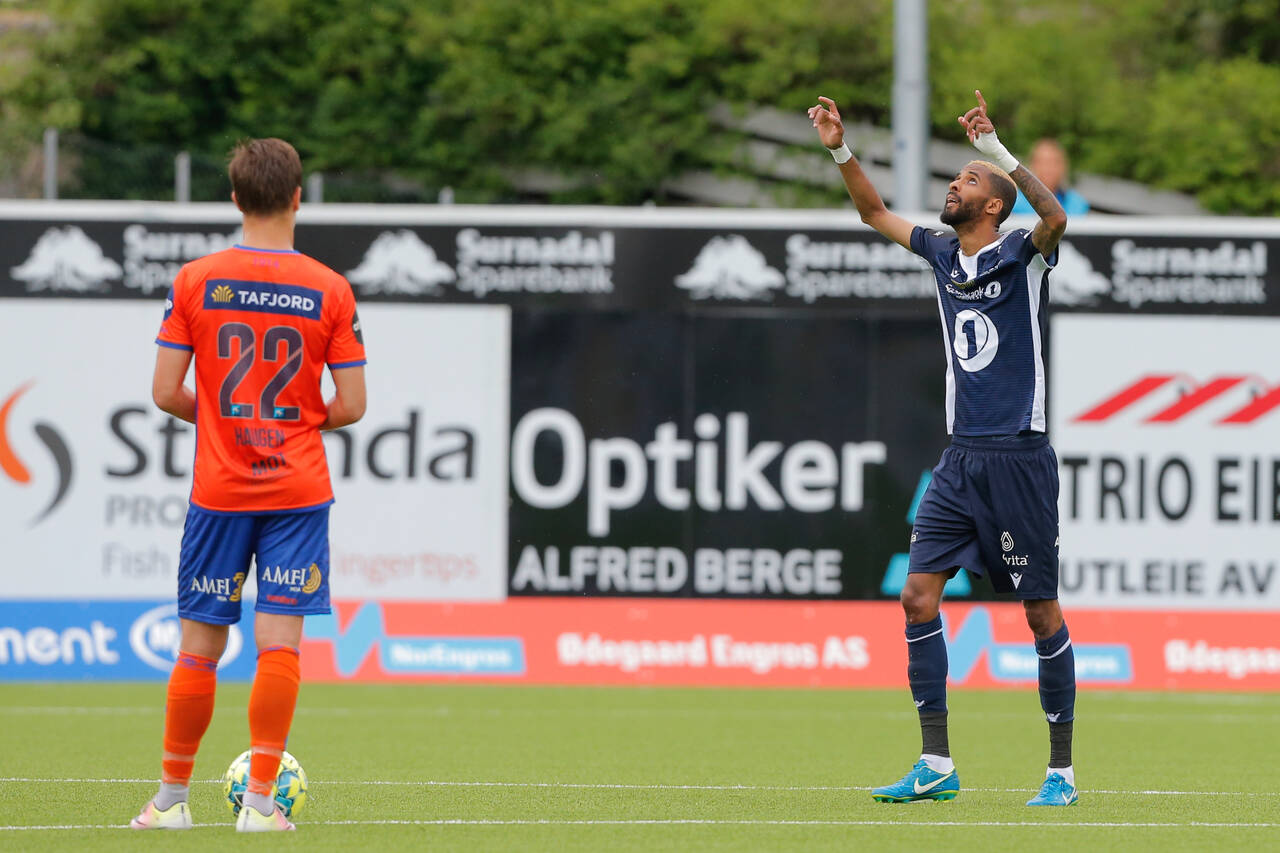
x: 1053, y: 219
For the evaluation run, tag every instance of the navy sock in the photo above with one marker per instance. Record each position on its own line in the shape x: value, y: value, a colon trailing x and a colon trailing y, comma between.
x: 1057, y: 677
x: 927, y: 666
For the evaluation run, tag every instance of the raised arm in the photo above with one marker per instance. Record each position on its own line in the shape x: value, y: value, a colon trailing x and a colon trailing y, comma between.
x: 826, y: 118
x: 1053, y: 219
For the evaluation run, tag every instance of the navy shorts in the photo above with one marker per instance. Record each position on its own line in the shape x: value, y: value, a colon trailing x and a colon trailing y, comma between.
x: 290, y: 551
x: 992, y: 509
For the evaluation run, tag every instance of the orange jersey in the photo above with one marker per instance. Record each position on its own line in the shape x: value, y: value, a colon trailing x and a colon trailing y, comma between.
x: 262, y: 325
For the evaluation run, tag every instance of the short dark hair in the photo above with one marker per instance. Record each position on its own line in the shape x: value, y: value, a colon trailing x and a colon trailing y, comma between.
x: 1003, y: 188
x: 264, y: 174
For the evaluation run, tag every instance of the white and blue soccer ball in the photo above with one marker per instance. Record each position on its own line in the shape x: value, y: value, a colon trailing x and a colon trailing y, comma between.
x: 290, y: 790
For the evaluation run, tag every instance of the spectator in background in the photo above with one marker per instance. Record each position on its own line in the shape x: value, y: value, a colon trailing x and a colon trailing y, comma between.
x: 1049, y: 164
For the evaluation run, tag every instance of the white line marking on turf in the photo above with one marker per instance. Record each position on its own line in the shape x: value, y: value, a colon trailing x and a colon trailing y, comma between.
x: 82, y: 710
x: 832, y: 714
x: 701, y: 822
x: 632, y: 786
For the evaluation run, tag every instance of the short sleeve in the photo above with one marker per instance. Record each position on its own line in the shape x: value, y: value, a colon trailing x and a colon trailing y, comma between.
x: 1020, y: 242
x: 928, y: 244
x: 346, y: 342
x: 175, y: 327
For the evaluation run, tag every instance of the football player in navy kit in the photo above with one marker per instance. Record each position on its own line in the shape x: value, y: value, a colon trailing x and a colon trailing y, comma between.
x: 992, y: 505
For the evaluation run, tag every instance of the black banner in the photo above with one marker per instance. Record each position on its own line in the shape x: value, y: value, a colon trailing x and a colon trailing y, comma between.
x: 711, y: 455
x: 627, y: 267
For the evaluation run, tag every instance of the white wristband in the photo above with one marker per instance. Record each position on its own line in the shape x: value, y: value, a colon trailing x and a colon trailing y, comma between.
x: 1007, y: 162
x: 990, y: 145
x: 842, y: 154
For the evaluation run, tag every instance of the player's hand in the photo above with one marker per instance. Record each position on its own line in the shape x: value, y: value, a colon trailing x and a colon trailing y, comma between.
x: 826, y: 118
x: 976, y: 122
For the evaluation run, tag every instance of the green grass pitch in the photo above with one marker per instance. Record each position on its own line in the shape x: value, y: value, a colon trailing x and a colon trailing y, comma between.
x: 566, y: 769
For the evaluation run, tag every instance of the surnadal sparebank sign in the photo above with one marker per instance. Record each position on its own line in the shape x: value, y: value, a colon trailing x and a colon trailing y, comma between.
x: 618, y: 260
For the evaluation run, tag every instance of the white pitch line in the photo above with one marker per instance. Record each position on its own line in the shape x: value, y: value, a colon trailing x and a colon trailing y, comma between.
x: 827, y: 713
x: 81, y: 710
x: 632, y: 786
x: 705, y: 822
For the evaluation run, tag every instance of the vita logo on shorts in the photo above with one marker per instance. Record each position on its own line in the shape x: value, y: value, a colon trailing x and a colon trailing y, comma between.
x: 1006, y: 545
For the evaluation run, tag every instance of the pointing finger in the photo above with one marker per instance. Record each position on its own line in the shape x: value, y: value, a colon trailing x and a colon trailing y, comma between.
x: 982, y: 103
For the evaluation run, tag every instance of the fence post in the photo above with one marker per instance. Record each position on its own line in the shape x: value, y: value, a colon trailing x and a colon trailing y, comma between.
x: 182, y: 177
x: 51, y: 162
x: 315, y: 188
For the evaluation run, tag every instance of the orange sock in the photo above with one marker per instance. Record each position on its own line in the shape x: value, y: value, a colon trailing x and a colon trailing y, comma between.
x: 271, y: 704
x: 188, y: 709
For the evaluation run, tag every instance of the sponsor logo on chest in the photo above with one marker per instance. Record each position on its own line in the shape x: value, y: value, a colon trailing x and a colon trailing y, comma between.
x: 264, y: 297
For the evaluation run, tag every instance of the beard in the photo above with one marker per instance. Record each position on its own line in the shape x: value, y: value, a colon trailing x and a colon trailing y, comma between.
x: 961, y: 213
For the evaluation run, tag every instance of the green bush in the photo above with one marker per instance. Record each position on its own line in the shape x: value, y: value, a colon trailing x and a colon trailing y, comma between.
x: 616, y: 95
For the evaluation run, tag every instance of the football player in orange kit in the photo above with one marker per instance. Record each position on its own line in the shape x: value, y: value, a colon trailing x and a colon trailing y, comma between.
x: 262, y: 321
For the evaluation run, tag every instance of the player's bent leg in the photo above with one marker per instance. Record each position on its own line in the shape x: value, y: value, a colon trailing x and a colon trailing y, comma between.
x: 934, y: 776
x: 1057, y: 698
x: 922, y: 596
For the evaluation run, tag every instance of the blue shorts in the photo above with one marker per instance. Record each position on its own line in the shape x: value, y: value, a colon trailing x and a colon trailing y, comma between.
x: 992, y: 509
x: 290, y: 551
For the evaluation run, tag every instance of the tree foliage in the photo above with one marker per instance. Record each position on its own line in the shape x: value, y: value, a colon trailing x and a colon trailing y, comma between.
x: 1180, y: 93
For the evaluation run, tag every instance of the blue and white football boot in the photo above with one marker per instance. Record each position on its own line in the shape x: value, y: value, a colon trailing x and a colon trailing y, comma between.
x: 1056, y: 791
x: 922, y: 783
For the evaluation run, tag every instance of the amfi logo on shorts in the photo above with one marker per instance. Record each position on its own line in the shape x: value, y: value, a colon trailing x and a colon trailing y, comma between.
x: 306, y: 580
x: 226, y: 589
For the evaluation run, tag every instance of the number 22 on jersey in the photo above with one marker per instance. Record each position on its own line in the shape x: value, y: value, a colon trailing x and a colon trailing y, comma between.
x: 247, y: 355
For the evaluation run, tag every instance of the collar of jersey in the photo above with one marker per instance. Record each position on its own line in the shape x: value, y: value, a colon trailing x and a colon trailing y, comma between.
x: 269, y: 251
x: 961, y: 257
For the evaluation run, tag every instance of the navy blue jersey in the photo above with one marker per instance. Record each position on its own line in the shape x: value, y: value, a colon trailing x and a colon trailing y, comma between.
x: 993, y: 308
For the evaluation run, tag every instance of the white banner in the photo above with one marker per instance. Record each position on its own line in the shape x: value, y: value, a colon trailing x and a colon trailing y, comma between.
x: 1166, y: 431
x: 94, y: 479
x: 421, y: 480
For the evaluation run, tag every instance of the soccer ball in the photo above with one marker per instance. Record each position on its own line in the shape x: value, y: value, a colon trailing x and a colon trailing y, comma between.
x: 290, y: 790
